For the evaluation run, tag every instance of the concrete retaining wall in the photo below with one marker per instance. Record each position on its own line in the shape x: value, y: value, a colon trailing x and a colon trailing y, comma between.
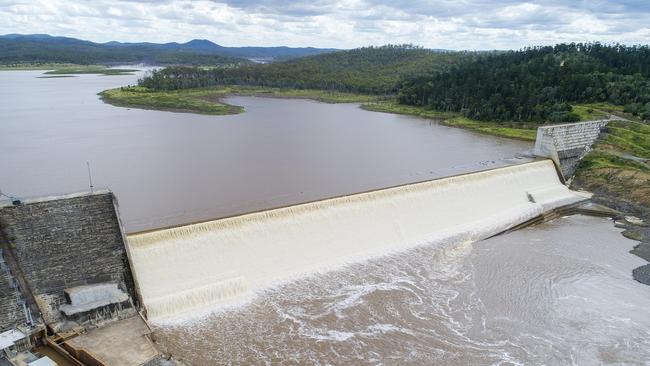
x: 62, y: 242
x: 12, y: 311
x: 566, y: 144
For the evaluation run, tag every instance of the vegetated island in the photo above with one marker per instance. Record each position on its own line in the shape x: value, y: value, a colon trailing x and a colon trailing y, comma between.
x: 54, y: 70
x: 89, y: 69
x: 506, y: 94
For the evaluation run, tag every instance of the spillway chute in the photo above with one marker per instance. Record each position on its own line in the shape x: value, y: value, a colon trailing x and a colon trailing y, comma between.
x: 204, y: 264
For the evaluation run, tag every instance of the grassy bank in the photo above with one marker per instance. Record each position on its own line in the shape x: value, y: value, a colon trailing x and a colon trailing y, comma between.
x: 202, y: 101
x: 617, y: 168
x: 509, y: 130
x: 209, y: 100
x: 35, y: 66
x: 89, y: 69
x: 67, y: 69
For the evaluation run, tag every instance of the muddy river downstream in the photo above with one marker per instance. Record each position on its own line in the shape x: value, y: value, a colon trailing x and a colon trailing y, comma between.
x: 556, y: 294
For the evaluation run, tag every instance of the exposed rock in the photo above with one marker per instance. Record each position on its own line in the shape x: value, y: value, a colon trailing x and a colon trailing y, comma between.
x: 642, y: 274
x: 642, y: 250
x: 634, y: 220
x: 633, y: 235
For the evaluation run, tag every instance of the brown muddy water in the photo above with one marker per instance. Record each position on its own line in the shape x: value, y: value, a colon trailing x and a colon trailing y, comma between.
x: 172, y: 168
x: 560, y: 293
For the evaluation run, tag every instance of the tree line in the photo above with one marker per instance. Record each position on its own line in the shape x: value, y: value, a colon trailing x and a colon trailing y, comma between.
x: 537, y: 83
x: 533, y: 84
x: 369, y: 70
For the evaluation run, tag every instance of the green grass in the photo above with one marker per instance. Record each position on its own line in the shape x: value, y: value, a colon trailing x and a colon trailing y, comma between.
x: 601, y: 159
x: 319, y: 95
x: 494, y: 129
x: 630, y: 137
x: 56, y: 76
x: 391, y: 106
x: 609, y: 168
x: 589, y: 112
x: 89, y: 69
x: 621, y: 138
x: 201, y: 101
x: 520, y: 132
x: 35, y: 66
x: 67, y: 69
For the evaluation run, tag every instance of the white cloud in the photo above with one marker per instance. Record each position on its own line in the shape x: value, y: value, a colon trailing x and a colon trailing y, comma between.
x: 452, y: 24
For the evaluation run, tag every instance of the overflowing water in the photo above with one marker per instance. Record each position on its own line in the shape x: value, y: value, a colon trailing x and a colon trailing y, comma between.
x: 199, y: 265
x: 559, y: 293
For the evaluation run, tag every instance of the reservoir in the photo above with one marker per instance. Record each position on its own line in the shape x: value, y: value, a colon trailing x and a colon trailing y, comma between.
x: 173, y: 168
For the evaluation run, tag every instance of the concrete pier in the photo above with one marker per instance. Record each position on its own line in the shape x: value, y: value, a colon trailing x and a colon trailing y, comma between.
x: 59, y: 243
x: 121, y: 343
x: 567, y: 143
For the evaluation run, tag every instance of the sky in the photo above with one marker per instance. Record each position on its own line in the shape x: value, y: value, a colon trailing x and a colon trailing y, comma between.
x: 446, y: 24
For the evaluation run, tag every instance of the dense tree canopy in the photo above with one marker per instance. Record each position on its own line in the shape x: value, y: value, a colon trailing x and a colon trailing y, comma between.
x: 373, y: 70
x: 537, y: 84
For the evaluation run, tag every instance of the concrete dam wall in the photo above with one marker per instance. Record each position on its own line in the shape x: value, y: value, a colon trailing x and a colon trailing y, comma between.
x: 59, y: 248
x: 566, y: 144
x: 203, y: 264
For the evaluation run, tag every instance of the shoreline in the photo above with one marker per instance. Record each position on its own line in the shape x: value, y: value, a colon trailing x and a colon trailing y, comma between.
x: 68, y: 69
x: 209, y: 101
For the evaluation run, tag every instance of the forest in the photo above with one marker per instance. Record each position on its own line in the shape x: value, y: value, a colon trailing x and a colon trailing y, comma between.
x: 534, y: 84
x: 368, y: 70
x: 537, y: 84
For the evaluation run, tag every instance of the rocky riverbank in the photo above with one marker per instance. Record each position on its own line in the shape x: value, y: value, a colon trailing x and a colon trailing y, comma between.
x: 628, y: 192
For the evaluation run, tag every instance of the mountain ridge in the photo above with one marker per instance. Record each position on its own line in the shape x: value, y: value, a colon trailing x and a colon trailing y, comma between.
x: 17, y: 48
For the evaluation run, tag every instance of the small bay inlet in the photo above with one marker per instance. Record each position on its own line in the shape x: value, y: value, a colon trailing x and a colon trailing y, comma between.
x: 205, y: 264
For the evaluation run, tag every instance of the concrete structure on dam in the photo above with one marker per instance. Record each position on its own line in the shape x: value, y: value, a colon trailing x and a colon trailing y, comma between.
x: 70, y: 253
x: 64, y: 266
x: 567, y: 143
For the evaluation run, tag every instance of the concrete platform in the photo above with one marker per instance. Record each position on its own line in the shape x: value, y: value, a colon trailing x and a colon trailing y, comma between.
x: 119, y: 344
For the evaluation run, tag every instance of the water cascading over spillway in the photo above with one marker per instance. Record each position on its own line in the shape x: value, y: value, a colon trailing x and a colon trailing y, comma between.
x: 198, y: 265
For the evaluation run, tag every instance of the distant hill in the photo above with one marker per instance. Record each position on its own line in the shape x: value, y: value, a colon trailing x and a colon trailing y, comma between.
x: 43, y: 48
x: 373, y: 70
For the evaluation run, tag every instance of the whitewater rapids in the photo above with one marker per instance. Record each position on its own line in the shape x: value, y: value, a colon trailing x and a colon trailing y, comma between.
x: 205, y: 264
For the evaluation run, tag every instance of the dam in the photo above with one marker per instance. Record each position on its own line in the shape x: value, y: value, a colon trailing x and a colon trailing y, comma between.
x: 359, y: 274
x: 209, y: 263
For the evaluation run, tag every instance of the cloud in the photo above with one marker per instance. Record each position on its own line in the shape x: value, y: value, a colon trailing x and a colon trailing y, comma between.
x: 451, y: 24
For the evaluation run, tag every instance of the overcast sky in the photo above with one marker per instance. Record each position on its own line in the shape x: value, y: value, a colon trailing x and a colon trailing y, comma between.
x: 449, y: 24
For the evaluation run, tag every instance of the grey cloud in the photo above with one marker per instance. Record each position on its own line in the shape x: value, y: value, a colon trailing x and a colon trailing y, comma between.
x: 456, y: 24
x: 285, y: 7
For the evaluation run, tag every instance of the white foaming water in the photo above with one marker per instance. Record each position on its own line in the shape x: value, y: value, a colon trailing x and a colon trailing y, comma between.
x: 182, y: 268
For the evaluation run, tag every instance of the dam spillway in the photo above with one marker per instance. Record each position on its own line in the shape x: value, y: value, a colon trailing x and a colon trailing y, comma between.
x: 198, y: 265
